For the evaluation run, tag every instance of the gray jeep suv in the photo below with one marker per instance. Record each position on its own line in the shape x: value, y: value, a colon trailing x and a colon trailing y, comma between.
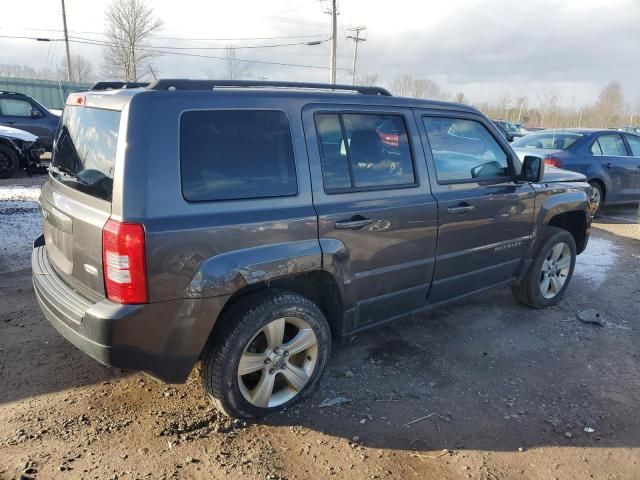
x: 246, y: 224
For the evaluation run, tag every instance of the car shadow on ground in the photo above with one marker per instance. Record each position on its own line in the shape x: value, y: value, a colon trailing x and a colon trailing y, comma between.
x: 486, y: 373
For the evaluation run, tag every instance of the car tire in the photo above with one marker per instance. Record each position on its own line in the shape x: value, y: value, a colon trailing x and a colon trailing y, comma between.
x: 550, y: 272
x: 597, y: 196
x: 248, y: 354
x: 9, y: 162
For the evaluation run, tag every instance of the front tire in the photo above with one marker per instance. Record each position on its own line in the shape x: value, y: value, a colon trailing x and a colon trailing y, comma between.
x: 550, y: 273
x: 270, y: 351
x: 9, y: 162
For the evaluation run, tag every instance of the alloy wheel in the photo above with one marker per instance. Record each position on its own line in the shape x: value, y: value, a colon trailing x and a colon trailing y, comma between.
x: 555, y: 270
x: 278, y: 362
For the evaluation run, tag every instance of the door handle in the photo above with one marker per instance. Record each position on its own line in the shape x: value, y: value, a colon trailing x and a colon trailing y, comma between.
x: 609, y: 165
x: 460, y: 209
x: 353, y: 223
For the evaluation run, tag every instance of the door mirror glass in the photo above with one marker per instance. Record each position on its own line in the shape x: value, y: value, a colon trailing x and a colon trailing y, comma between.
x: 532, y: 169
x: 35, y: 113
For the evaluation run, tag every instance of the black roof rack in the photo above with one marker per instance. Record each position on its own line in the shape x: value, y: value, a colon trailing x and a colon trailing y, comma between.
x: 117, y: 85
x: 17, y: 94
x: 184, y: 84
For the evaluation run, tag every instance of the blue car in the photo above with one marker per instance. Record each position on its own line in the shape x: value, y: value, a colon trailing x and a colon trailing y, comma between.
x: 610, y: 159
x: 24, y: 113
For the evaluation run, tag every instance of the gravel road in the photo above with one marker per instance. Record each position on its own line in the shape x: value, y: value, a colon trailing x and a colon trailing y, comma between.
x: 485, y: 389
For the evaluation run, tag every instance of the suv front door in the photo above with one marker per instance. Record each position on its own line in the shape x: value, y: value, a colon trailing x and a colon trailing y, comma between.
x: 485, y: 216
x: 377, y: 219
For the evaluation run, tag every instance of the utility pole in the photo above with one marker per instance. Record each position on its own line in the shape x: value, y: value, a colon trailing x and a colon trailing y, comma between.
x: 66, y: 41
x: 356, y: 39
x: 334, y: 38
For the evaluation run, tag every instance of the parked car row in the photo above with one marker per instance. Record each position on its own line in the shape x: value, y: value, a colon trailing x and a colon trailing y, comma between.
x: 26, y: 132
x: 610, y: 159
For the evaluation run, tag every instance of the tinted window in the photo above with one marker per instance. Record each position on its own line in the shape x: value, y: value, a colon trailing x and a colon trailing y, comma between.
x: 17, y: 108
x: 556, y: 141
x: 85, y: 149
x: 236, y: 154
x: 612, y: 145
x: 464, y: 150
x: 364, y: 151
x: 634, y: 143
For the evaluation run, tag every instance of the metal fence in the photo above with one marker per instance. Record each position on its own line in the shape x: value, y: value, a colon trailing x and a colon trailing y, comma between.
x: 50, y: 93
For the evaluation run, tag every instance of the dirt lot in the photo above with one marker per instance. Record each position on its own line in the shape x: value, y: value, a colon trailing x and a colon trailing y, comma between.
x: 507, y: 392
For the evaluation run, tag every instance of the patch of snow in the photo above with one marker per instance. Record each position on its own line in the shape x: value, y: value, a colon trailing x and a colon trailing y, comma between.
x: 20, y: 225
x: 597, y: 260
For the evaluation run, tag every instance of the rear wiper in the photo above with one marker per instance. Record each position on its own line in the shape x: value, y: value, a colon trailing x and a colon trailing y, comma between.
x: 67, y: 174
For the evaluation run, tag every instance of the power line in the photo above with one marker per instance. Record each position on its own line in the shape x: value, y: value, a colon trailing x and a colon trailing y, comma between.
x: 168, y: 52
x: 186, y: 39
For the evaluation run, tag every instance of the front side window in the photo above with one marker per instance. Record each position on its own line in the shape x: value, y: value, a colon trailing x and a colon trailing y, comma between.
x: 464, y: 150
x: 15, y: 108
x: 236, y: 154
x: 610, y: 145
x: 634, y: 143
x: 364, y: 150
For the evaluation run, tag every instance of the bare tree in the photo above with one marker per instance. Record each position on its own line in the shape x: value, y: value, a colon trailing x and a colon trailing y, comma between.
x: 547, y: 104
x: 235, y: 69
x: 407, y: 86
x: 130, y: 24
x: 81, y: 69
x: 460, y: 98
x: 21, y: 71
x: 609, y: 104
x: 367, y: 79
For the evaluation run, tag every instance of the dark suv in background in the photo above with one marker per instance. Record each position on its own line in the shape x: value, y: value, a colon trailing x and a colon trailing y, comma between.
x: 246, y: 224
x: 24, y: 113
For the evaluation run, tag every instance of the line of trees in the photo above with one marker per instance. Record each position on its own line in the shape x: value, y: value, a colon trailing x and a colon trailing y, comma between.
x: 547, y: 108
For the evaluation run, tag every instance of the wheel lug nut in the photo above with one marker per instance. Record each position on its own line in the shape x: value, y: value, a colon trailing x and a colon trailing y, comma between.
x: 272, y: 371
x: 286, y: 353
x: 284, y: 366
x: 276, y: 350
x: 267, y: 361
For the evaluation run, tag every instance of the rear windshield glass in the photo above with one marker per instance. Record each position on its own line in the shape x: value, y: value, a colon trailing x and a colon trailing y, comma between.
x: 236, y: 154
x: 84, y: 154
x: 555, y: 141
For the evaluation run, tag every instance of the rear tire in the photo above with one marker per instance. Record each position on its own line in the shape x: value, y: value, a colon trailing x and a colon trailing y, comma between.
x: 597, y: 197
x: 269, y: 352
x: 550, y: 273
x: 9, y: 162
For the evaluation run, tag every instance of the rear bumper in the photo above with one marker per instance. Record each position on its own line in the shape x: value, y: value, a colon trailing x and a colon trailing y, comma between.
x: 162, y: 339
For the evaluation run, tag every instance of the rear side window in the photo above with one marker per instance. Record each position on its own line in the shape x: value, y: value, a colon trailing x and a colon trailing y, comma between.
x: 236, y: 154
x: 464, y: 150
x: 556, y: 141
x: 84, y: 152
x: 364, y: 151
x: 610, y: 145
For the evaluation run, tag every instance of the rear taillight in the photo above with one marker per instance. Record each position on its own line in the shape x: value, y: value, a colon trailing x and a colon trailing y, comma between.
x: 123, y: 261
x: 554, y: 162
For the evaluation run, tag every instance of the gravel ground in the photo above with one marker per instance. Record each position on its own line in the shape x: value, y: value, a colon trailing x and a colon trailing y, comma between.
x: 494, y: 390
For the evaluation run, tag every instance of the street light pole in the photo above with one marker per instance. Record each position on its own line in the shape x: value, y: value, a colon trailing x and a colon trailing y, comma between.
x: 66, y: 40
x: 356, y: 39
x: 334, y: 38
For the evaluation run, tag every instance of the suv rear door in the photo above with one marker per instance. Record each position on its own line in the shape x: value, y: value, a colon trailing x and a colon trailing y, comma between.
x: 485, y: 216
x: 377, y: 217
x: 76, y: 200
x: 633, y: 144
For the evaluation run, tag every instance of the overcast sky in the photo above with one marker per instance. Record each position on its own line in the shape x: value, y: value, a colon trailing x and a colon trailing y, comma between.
x: 484, y: 48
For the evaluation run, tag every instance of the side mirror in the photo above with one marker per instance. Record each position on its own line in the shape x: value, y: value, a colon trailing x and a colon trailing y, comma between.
x: 532, y: 169
x: 35, y: 113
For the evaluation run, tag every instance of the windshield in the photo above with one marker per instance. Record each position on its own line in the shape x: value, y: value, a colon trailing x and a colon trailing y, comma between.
x: 548, y: 140
x: 84, y: 152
